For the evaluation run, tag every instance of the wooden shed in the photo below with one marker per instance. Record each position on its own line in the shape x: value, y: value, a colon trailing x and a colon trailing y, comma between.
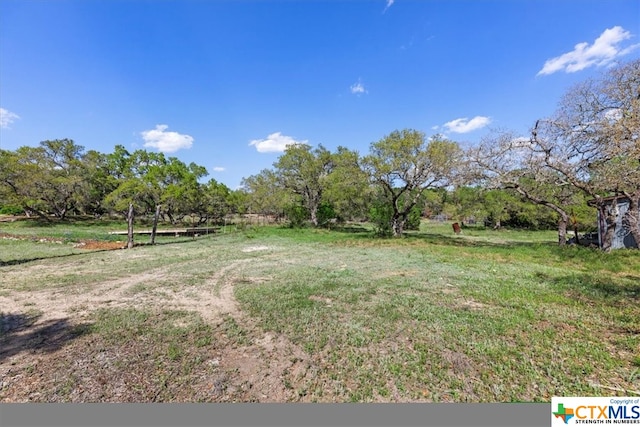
x: 622, y: 238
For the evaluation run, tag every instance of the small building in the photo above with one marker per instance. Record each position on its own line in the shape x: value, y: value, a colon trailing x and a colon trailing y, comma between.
x: 622, y: 238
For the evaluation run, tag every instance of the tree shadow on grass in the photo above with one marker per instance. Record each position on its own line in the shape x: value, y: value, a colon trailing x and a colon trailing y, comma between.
x: 461, y: 241
x: 351, y: 229
x: 21, y: 332
x: 599, y: 288
x: 27, y: 260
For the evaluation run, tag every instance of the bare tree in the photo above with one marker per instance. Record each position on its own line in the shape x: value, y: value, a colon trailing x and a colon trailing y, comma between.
x: 593, y: 142
x: 505, y: 161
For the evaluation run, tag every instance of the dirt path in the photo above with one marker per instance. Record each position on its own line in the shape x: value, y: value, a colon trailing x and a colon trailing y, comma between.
x: 268, y: 367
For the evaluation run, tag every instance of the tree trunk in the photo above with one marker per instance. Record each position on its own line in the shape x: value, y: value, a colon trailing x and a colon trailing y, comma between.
x: 172, y: 220
x: 130, y: 227
x: 314, y: 215
x: 313, y: 202
x: 562, y: 230
x: 28, y: 210
x: 155, y: 225
x: 610, y: 218
x: 397, y: 225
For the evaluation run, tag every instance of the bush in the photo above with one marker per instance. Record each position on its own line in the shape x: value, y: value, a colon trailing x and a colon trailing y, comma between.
x: 325, y: 214
x: 297, y: 216
x: 380, y: 215
x: 11, y: 210
x: 413, y: 220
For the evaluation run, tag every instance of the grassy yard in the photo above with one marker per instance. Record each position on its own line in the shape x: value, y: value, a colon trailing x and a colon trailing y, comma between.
x: 275, y: 314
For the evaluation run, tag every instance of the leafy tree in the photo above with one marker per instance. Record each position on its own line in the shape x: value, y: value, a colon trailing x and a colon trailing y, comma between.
x: 181, y: 192
x: 15, y: 177
x: 433, y: 201
x: 497, y: 205
x: 297, y: 215
x: 46, y: 179
x: 129, y: 171
x: 465, y: 202
x: 214, y: 201
x: 303, y: 171
x: 347, y: 188
x: 239, y: 200
x: 326, y: 214
x: 266, y: 193
x: 404, y: 164
x: 97, y: 183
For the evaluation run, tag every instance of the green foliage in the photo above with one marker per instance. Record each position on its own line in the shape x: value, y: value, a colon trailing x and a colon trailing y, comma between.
x: 265, y: 194
x: 45, y: 180
x: 403, y: 170
x: 297, y: 215
x: 404, y: 164
x: 414, y: 218
x: 433, y: 201
x: 347, y: 186
x: 11, y: 210
x: 380, y: 215
x: 326, y: 213
x: 303, y: 171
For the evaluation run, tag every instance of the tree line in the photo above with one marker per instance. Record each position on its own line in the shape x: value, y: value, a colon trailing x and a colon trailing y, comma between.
x: 580, y: 160
x: 59, y: 177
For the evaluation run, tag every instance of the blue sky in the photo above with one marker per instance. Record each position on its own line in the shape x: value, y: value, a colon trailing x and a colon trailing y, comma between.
x: 226, y: 84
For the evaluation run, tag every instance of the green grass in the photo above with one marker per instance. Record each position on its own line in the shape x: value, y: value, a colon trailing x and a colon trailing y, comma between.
x: 497, y: 316
x: 486, y: 316
x: 68, y: 230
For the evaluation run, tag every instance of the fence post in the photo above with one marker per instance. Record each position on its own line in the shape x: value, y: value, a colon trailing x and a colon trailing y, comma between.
x: 130, y: 227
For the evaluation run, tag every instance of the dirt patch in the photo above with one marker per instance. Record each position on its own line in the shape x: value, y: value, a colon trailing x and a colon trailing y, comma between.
x: 472, y: 305
x: 47, y: 358
x: 256, y: 248
x: 81, y: 244
x: 317, y: 298
x: 100, y: 245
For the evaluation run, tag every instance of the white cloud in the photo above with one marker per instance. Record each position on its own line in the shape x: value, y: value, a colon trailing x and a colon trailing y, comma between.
x: 604, y: 50
x: 465, y: 125
x: 358, y: 88
x: 389, y: 4
x: 219, y: 169
x: 276, y: 142
x: 6, y: 118
x: 166, y: 142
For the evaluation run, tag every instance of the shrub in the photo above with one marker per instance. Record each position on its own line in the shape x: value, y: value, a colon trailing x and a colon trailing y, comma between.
x: 11, y: 210
x: 325, y: 214
x: 380, y: 215
x: 297, y: 216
